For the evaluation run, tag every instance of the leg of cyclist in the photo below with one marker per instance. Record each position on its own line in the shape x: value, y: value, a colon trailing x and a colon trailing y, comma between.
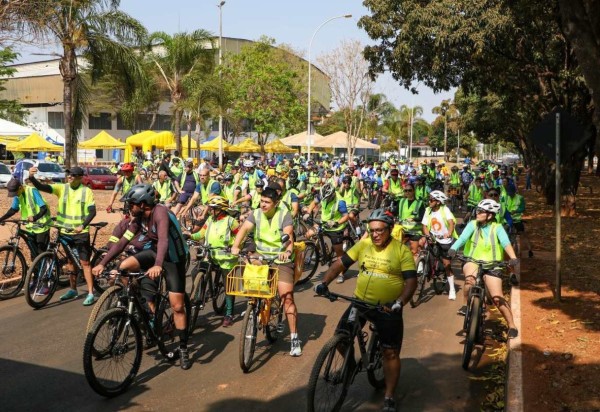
x: 285, y: 287
x: 338, y: 248
x: 448, y: 267
x: 470, y: 271
x: 493, y: 283
x: 415, y: 247
x: 175, y: 276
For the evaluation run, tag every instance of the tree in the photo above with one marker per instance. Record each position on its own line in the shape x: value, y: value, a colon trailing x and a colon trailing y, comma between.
x: 9, y: 109
x: 93, y: 29
x: 351, y: 86
x: 262, y: 86
x: 445, y: 109
x: 176, y: 58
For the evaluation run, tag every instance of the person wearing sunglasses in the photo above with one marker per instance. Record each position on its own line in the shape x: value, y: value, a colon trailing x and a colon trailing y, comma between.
x: 410, y: 214
x: 486, y: 239
x: 439, y: 222
x: 386, y: 276
x: 503, y: 216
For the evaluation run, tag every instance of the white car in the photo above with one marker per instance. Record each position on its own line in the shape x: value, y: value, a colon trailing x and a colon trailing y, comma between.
x: 47, y: 171
x: 5, y: 175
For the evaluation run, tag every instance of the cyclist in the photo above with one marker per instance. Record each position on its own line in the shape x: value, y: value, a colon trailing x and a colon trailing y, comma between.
x: 421, y: 191
x: 231, y: 191
x: 163, y: 188
x: 387, y: 276
x: 334, y: 215
x: 393, y: 185
x: 269, y: 223
x: 410, y: 214
x: 76, y: 210
x: 169, y: 251
x: 254, y: 196
x: 33, y: 208
x: 485, y: 239
x: 454, y: 179
x: 515, y: 205
x: 124, y: 184
x: 352, y: 198
x: 186, y: 186
x: 474, y: 195
x: 439, y: 221
x: 206, y: 187
x: 217, y: 232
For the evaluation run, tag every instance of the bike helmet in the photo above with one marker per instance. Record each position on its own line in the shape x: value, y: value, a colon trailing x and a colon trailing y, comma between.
x: 454, y: 168
x: 293, y: 175
x: 140, y: 193
x: 228, y: 177
x: 127, y: 167
x: 439, y: 196
x: 489, y: 205
x: 218, y: 202
x: 346, y: 179
x: 381, y: 215
x: 327, y: 191
x: 248, y: 163
x: 259, y: 183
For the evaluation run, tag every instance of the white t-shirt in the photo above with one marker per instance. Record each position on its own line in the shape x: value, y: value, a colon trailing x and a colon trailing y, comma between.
x: 437, y: 224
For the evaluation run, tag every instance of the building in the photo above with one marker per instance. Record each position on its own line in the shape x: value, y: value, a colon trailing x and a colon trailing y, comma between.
x: 38, y: 87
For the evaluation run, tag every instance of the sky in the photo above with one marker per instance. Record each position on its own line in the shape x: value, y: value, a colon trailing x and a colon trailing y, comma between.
x: 291, y: 22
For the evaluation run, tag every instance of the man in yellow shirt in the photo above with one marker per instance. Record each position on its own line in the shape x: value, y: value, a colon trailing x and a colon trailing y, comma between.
x: 388, y: 277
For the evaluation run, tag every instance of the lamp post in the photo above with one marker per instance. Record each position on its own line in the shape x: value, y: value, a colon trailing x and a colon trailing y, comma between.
x: 220, y: 6
x: 308, y: 130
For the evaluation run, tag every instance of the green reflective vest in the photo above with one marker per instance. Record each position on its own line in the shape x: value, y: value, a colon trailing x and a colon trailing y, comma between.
x: 475, y: 195
x: 406, y: 211
x: 28, y: 207
x: 267, y: 234
x: 229, y: 191
x: 454, y: 179
x: 218, y: 234
x: 287, y: 198
x: 205, y: 191
x: 127, y: 184
x: 184, y: 175
x: 485, y: 248
x: 395, y: 188
x: 513, y: 204
x: 255, y: 199
x: 72, y: 214
x: 421, y: 193
x: 350, y: 196
x: 330, y: 211
x: 163, y: 189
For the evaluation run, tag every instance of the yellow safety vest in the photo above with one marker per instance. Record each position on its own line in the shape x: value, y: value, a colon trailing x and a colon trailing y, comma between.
x: 218, y: 234
x: 406, y: 211
x: 485, y: 248
x: 28, y: 208
x: 205, y: 191
x: 163, y: 189
x: 72, y: 215
x: 267, y: 235
x: 396, y: 187
x: 330, y: 211
x: 513, y: 204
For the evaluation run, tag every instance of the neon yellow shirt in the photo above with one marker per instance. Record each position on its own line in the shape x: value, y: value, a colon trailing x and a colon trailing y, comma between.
x: 380, y: 270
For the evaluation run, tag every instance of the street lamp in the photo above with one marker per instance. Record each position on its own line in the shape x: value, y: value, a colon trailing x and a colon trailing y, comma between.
x: 220, y: 6
x: 308, y: 130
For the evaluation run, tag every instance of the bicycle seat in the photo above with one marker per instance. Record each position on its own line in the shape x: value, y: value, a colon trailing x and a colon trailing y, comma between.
x: 99, y: 224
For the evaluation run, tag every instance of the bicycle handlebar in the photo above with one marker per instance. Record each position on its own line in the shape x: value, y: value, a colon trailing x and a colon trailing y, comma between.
x: 498, y: 263
x: 332, y: 296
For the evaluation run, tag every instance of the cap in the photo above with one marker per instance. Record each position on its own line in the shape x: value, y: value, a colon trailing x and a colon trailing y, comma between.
x: 75, y: 171
x: 13, y: 186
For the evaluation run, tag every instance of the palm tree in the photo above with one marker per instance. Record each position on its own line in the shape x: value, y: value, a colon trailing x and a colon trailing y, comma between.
x: 445, y: 109
x: 93, y: 29
x: 178, y: 58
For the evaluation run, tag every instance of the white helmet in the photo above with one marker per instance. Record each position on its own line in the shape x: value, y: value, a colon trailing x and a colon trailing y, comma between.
x: 327, y: 190
x: 248, y: 163
x: 439, y: 196
x: 489, y: 205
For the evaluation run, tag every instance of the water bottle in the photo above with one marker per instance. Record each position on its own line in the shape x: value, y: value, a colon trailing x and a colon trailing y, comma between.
x: 358, y: 231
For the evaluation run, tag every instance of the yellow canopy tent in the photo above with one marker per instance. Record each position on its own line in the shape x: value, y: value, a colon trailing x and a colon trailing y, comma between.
x: 136, y: 140
x: 300, y: 139
x: 184, y: 146
x: 277, y: 147
x: 34, y: 143
x: 102, y: 141
x: 213, y: 145
x: 247, y: 146
x: 6, y: 140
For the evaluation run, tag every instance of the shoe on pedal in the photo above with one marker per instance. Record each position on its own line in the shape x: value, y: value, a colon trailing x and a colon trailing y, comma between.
x: 184, y: 357
x: 512, y: 333
x: 296, y: 347
x: 389, y: 405
x: 71, y: 294
x: 340, y: 279
x: 462, y: 311
x: 452, y: 295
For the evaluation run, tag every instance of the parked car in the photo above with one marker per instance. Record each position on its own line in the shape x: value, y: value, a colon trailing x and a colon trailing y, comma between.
x: 97, y: 177
x: 47, y: 171
x: 5, y: 175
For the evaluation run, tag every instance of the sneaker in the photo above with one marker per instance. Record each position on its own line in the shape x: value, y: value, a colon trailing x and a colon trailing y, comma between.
x: 514, y: 280
x: 43, y: 290
x: 89, y: 300
x: 184, y: 356
x: 512, y: 333
x: 452, y: 295
x: 340, y: 279
x: 71, y: 294
x: 462, y: 311
x: 296, y: 349
x: 227, y: 321
x: 389, y: 405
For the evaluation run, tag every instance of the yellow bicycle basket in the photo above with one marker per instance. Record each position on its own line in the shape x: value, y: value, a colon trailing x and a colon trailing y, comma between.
x: 259, y: 281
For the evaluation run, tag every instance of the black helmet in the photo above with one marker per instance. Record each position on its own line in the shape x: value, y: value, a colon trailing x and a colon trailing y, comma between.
x: 382, y: 216
x: 259, y: 183
x: 346, y: 179
x: 140, y: 193
x: 293, y: 174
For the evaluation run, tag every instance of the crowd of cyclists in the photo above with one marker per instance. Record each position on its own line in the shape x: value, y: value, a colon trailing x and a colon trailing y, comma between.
x: 251, y: 204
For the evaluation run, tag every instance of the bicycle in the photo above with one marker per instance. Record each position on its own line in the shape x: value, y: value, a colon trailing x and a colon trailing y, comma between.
x: 207, y: 283
x: 456, y: 200
x: 263, y: 312
x: 476, y: 304
x: 12, y: 260
x: 43, y: 276
x: 112, y: 352
x: 336, y: 366
x: 430, y: 268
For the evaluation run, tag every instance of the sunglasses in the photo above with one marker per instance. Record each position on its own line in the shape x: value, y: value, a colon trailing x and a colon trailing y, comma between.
x: 493, y: 194
x: 377, y: 231
x: 479, y: 210
x: 432, y: 200
x: 408, y: 190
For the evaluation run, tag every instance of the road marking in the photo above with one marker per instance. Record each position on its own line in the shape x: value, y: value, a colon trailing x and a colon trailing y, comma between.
x: 514, y: 386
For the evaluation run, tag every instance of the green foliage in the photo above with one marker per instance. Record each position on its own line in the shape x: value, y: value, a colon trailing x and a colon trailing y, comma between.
x: 9, y: 109
x: 262, y: 85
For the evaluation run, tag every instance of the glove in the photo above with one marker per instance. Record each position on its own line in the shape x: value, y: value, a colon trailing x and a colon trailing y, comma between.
x: 109, y: 209
x: 397, y: 306
x: 306, y: 217
x: 187, y: 236
x: 513, y: 262
x: 451, y: 253
x: 331, y: 223
x: 321, y: 289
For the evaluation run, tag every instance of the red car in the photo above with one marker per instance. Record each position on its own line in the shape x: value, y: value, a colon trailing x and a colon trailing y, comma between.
x: 98, y: 177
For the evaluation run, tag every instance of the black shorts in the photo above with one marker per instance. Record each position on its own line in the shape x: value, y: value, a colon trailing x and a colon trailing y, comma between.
x: 519, y: 226
x: 174, y: 272
x: 390, y: 326
x: 337, y: 237
x: 40, y: 241
x: 81, y: 242
x: 445, y: 248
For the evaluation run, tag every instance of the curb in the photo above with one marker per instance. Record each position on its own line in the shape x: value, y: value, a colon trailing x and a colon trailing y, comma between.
x: 514, y: 376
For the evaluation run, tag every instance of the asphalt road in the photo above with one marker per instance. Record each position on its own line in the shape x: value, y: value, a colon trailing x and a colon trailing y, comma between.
x: 41, y: 362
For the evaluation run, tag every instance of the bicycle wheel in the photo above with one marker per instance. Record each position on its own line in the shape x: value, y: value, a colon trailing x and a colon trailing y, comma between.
x: 311, y: 262
x: 102, y: 282
x: 438, y: 275
x: 218, y: 292
x: 275, y: 319
x: 13, y: 270
x: 327, y: 253
x: 164, y: 326
x: 108, y: 300
x: 196, y: 296
x: 328, y: 385
x: 371, y: 201
x: 248, y: 337
x: 41, y: 280
x: 378, y: 198
x: 422, y: 273
x: 375, y: 368
x: 472, y: 328
x: 110, y: 372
